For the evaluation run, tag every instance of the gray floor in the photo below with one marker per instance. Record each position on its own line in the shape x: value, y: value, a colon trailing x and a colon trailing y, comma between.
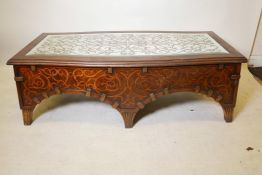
x: 181, y: 134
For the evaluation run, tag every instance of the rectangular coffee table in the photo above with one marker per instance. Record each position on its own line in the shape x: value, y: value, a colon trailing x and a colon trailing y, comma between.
x: 127, y: 69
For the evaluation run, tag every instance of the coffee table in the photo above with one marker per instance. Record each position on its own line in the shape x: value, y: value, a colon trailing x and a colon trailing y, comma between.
x: 127, y: 69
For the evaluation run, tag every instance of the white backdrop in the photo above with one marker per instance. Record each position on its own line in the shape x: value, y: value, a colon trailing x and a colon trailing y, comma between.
x: 22, y: 21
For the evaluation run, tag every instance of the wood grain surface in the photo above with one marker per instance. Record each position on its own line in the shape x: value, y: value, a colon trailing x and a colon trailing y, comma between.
x: 128, y: 89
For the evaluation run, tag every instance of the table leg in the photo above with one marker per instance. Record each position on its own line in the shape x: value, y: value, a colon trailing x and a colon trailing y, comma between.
x: 128, y: 117
x: 27, y: 116
x: 228, y: 113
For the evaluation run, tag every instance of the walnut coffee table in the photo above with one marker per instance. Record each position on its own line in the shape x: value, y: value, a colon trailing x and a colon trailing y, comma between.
x: 127, y: 69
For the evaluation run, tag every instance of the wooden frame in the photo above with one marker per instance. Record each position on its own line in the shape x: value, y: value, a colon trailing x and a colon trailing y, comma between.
x: 129, y: 84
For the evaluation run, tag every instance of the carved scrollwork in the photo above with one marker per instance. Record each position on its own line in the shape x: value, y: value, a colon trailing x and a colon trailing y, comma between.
x: 127, y: 86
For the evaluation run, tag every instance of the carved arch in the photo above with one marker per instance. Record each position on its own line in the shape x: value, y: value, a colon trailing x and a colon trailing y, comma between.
x: 41, y: 96
x: 129, y: 116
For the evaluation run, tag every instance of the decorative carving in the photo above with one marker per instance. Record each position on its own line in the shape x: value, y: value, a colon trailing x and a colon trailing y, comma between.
x: 127, y: 88
x: 110, y: 70
x: 197, y: 89
x: 33, y: 68
x: 233, y: 77
x: 88, y: 92
x: 115, y: 105
x: 102, y: 97
x: 128, y: 44
x: 140, y: 105
x: 166, y: 91
x: 45, y: 95
x: 219, y: 98
x: 36, y: 100
x: 221, y: 66
x: 152, y: 96
x: 19, y: 79
x: 57, y: 90
x: 209, y: 92
x: 144, y: 69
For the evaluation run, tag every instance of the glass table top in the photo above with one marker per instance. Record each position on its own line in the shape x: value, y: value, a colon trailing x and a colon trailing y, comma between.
x: 127, y: 44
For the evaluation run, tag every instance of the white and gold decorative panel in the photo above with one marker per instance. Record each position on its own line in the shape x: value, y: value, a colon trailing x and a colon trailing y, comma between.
x: 128, y: 44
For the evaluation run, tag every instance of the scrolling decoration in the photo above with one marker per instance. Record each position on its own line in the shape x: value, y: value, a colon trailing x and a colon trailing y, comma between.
x: 127, y: 86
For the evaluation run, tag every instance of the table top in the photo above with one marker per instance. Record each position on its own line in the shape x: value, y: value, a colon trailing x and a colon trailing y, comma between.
x: 127, y: 49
